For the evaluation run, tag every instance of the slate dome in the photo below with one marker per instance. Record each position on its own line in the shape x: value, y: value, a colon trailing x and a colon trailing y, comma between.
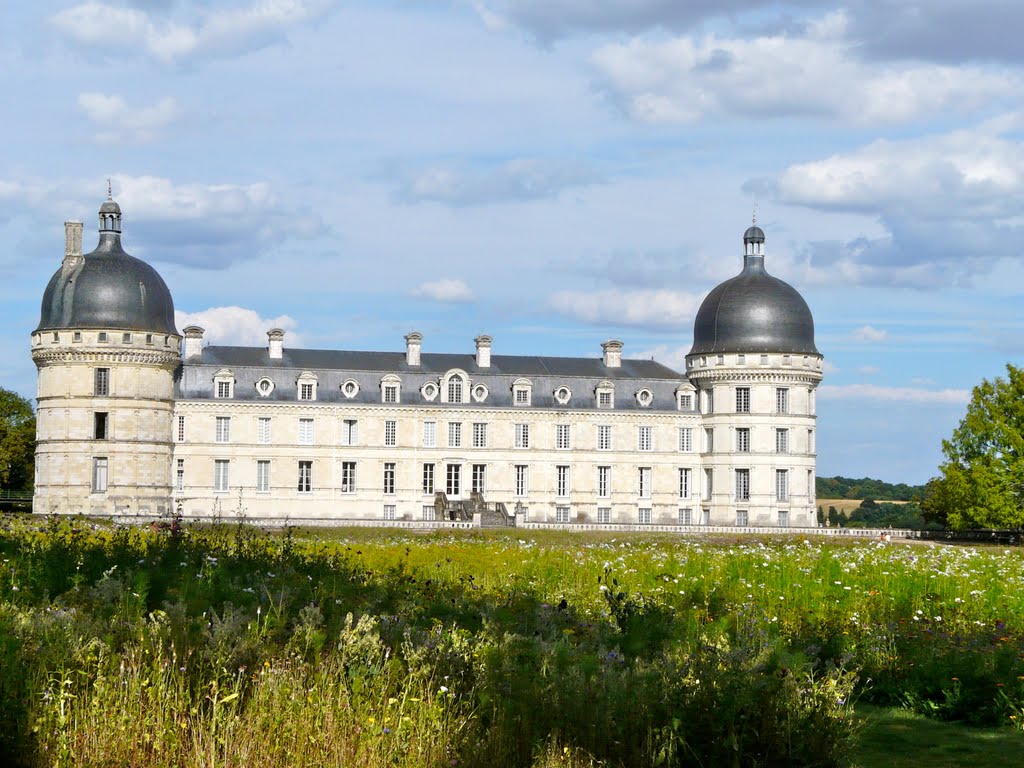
x: 754, y: 312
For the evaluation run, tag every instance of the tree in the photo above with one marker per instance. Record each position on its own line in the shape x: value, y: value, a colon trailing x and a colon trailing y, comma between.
x: 982, y: 480
x: 17, y: 442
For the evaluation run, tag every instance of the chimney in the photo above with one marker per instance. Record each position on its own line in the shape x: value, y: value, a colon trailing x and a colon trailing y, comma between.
x: 483, y: 351
x: 413, y: 343
x: 276, y: 338
x: 72, y: 244
x: 193, y: 341
x: 612, y: 353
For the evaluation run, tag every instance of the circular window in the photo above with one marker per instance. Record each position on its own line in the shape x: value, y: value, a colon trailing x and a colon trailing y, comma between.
x: 562, y: 395
x: 264, y: 387
x: 350, y: 388
x: 479, y: 393
x: 644, y: 397
x: 429, y: 390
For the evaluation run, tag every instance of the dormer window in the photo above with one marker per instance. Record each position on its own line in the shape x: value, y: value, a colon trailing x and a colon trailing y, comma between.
x: 604, y: 395
x: 306, y: 385
x: 522, y: 392
x: 264, y: 387
x: 455, y: 387
x: 390, y: 389
x: 644, y: 398
x: 350, y: 388
x: 223, y: 385
x: 429, y: 391
x: 684, y: 400
x: 479, y: 393
x: 562, y: 395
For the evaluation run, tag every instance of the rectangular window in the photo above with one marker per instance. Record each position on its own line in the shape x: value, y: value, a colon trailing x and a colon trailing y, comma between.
x: 389, y: 512
x: 305, y: 431
x: 479, y: 435
x: 644, y: 516
x: 604, y: 399
x: 479, y: 478
x: 348, y: 477
x: 126, y: 338
x: 522, y: 480
x: 562, y: 437
x: 101, y: 337
x: 604, y: 437
x: 782, y: 485
x: 685, y: 439
x: 305, y: 476
x: 786, y: 359
x: 101, y: 384
x: 220, y: 475
x: 262, y: 476
x: 390, y: 393
x: 430, y: 434
x: 223, y: 429
x: 305, y: 390
x: 522, y: 435
x: 741, y: 518
x: 644, y: 482
x: 179, y: 476
x: 562, y: 480
x: 810, y: 441
x: 686, y: 516
x: 99, y: 475
x: 709, y: 401
x: 810, y: 402
x: 743, y: 440
x: 561, y: 514
x: 783, y: 518
x: 349, y: 432
x: 742, y: 399
x: 709, y: 483
x: 644, y: 441
x: 454, y: 484
x: 522, y: 395
x: 742, y: 485
x: 389, y: 478
x: 685, y: 402
x: 181, y: 429
x: 782, y: 400
x: 454, y: 434
x: 263, y: 430
x: 77, y: 336
x: 455, y: 390
x: 604, y: 514
x: 812, y: 491
x: 721, y: 360
x: 684, y: 482
x: 99, y: 425
x: 782, y: 441
x: 709, y: 439
x: 603, y: 486
x: 428, y: 513
x: 428, y: 479
x: 223, y: 389
x: 764, y: 359
x: 390, y: 433
x: 741, y: 359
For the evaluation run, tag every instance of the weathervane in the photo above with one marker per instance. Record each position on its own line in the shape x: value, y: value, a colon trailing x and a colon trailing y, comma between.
x: 753, y: 218
x: 109, y: 191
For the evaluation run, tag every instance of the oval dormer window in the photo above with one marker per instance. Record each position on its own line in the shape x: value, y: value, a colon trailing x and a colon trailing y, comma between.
x: 479, y: 393
x: 429, y: 391
x: 264, y: 387
x: 350, y: 388
x: 644, y: 397
x: 562, y: 395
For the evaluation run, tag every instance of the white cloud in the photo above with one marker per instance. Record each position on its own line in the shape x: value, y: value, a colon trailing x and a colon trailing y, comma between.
x: 870, y: 334
x: 893, y: 394
x: 868, y: 370
x: 238, y: 326
x: 657, y: 308
x: 119, y: 123
x: 208, y: 34
x: 829, y: 367
x: 446, y: 290
x: 666, y: 354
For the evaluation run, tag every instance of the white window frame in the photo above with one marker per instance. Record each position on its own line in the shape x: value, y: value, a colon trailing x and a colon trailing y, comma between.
x: 391, y: 390
x: 349, y: 388
x: 478, y: 479
x: 429, y: 470
x: 685, y: 516
x: 222, y: 429
x: 263, y: 430
x: 479, y: 434
x: 305, y: 386
x: 522, y: 393
x: 223, y: 388
x: 522, y: 435
x: 479, y: 393
x: 563, y: 437
x: 522, y: 472
x: 562, y: 395
x: 782, y: 399
x: 305, y: 430
x: 783, y: 518
x: 684, y: 401
x: 562, y: 513
x: 742, y: 518
x: 100, y: 474
x: 604, y: 489
x: 264, y: 387
x: 390, y: 433
x: 350, y: 431
x: 562, y: 481
x: 604, y: 515
x: 263, y: 476
x: 644, y: 397
x: 179, y: 475
x: 742, y: 484
x: 742, y: 399
x: 429, y: 391
x: 643, y: 516
x: 743, y: 440
x: 430, y: 434
x: 604, y: 437
x: 390, y: 512
x: 221, y: 475
x: 685, y: 439
x: 455, y: 387
x: 453, y: 479
x: 389, y: 478
x: 709, y: 439
x: 645, y: 438
x: 348, y: 477
x: 454, y: 434
x: 305, y: 479
x: 181, y: 429
x: 604, y: 396
x: 685, y: 482
x: 645, y: 481
x: 101, y: 382
x: 782, y: 485
x: 782, y: 440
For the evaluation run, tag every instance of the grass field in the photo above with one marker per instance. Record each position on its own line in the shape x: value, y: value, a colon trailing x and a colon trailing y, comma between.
x: 370, y: 647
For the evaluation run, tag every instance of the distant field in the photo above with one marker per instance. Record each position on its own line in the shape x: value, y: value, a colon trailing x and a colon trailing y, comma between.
x: 847, y: 505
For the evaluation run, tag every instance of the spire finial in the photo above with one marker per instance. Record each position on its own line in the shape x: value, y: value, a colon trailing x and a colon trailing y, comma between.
x: 753, y: 219
x: 110, y: 194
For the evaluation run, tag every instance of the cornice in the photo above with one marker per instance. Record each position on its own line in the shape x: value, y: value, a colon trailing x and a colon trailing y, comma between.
x: 159, y: 358
x: 780, y: 376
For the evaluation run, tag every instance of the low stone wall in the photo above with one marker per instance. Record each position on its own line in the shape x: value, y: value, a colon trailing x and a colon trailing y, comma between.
x: 281, y: 522
x: 701, y: 530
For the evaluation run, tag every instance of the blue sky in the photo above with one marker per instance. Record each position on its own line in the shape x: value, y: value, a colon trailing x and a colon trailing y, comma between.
x: 551, y: 172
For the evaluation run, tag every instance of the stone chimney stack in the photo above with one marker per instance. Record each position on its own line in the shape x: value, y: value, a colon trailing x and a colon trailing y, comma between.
x: 483, y: 351
x: 413, y: 344
x: 275, y: 337
x: 72, y: 244
x: 612, y: 350
x: 193, y: 342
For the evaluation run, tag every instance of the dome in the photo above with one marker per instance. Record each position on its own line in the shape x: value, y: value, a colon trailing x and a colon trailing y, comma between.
x: 754, y: 312
x: 107, y: 288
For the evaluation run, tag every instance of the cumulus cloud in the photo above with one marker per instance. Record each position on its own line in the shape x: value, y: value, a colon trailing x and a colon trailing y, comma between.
x: 893, y: 394
x: 674, y: 356
x: 516, y: 180
x: 870, y: 334
x: 868, y: 370
x: 447, y: 290
x: 238, y: 326
x: 653, y: 308
x: 118, y: 123
x: 208, y: 33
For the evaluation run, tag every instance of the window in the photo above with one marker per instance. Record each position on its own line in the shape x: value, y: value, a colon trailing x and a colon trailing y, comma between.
x: 786, y: 359
x: 562, y: 480
x: 741, y: 518
x: 430, y: 434
x: 742, y: 399
x: 644, y: 516
x: 782, y: 400
x: 810, y: 401
x: 455, y: 390
x: 389, y: 392
x: 709, y: 483
x: 604, y: 514
x: 562, y: 437
x: 479, y: 435
x: 685, y: 439
x: 605, y: 398
x: 764, y: 359
x: 562, y: 395
x: 479, y: 478
x: 349, y: 432
x: 603, y: 488
x: 742, y: 485
x: 429, y: 391
x: 604, y: 437
x: 223, y: 429
x: 101, y: 385
x: 453, y: 486
x: 348, y: 477
x: 390, y: 433
x: 264, y: 387
x: 812, y: 490
x: 810, y: 441
x: 305, y: 476
x: 181, y: 429
x: 99, y: 475
x: 305, y: 431
x: 77, y: 336
x: 743, y: 440
x: 262, y: 476
x: 709, y: 439
x: 644, y: 482
x: 644, y: 398
x: 782, y: 441
x: 686, y: 516
x: 263, y: 430
x: 389, y: 512
x: 99, y: 426
x: 783, y: 518
x: 179, y: 475
x: 220, y: 475
x: 350, y: 388
x: 521, y: 392
x: 429, y: 513
x: 522, y: 480
x: 223, y: 388
x: 561, y: 514
x: 101, y: 337
x: 306, y: 390
x: 720, y: 360
x: 684, y: 482
x: 479, y: 393
x: 685, y: 402
x: 389, y: 478
x: 782, y: 485
x: 428, y: 479
x: 126, y: 338
x: 149, y: 339
x: 709, y: 401
x: 522, y: 435
x: 644, y: 440
x: 741, y: 359
x: 454, y: 434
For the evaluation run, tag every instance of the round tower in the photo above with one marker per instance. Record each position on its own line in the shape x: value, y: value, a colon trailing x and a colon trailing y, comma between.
x: 756, y: 370
x: 107, y: 350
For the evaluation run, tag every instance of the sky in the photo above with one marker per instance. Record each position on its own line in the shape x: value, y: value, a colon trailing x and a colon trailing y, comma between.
x: 553, y: 173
